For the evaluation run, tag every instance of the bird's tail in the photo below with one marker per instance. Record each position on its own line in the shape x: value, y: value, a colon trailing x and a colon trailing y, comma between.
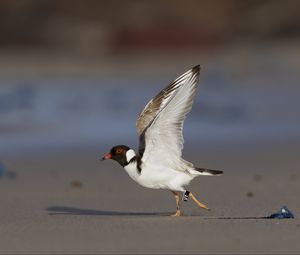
x: 205, y: 171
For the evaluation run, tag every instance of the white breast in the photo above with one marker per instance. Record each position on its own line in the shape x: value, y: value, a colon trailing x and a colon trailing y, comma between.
x: 157, y: 178
x: 132, y: 171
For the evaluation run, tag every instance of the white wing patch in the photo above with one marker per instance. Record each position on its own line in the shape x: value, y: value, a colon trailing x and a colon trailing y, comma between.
x: 163, y: 138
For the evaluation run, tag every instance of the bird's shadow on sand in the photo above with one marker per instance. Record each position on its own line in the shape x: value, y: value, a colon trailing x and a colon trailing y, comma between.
x: 65, y: 210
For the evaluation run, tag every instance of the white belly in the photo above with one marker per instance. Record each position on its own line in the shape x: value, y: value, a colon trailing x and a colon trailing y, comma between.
x: 157, y: 178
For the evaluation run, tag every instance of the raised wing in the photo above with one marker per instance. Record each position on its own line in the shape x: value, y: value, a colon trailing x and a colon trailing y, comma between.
x: 161, y: 122
x: 156, y: 104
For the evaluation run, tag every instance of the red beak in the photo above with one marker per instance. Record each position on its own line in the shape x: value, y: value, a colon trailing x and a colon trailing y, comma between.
x: 107, y: 156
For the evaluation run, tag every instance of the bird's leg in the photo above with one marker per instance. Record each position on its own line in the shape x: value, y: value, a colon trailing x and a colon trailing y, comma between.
x: 178, y: 213
x: 199, y: 204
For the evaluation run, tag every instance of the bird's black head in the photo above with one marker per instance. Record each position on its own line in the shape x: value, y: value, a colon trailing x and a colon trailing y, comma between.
x: 118, y: 153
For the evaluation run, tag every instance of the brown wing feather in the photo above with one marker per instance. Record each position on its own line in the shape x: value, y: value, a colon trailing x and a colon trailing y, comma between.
x: 158, y: 103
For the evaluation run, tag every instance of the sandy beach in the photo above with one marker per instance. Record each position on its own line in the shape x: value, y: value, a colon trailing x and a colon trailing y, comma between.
x: 65, y: 201
x: 74, y: 75
x: 73, y: 203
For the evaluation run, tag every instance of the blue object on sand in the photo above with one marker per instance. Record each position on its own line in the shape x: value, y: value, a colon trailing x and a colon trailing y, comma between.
x: 283, y: 213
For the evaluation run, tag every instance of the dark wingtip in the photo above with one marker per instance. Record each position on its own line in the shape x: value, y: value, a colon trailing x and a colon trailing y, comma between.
x: 196, y: 69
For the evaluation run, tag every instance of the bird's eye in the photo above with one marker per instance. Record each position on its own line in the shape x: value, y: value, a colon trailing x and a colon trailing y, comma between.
x: 119, y: 150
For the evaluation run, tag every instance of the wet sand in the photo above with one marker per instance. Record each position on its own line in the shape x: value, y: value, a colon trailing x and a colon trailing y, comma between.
x: 72, y: 203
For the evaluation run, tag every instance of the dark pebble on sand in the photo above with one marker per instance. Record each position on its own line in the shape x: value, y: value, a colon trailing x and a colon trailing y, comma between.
x: 250, y: 194
x: 76, y: 184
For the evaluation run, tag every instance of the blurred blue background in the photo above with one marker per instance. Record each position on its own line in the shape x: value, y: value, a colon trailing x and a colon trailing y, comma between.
x: 75, y: 74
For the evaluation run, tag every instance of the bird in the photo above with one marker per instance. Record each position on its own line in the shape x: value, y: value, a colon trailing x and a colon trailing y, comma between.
x: 158, y: 163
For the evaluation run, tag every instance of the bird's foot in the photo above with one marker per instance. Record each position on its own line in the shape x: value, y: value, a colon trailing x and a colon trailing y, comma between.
x: 198, y: 203
x: 177, y: 214
x: 204, y: 207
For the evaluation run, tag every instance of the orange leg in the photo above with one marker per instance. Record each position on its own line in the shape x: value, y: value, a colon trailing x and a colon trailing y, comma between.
x: 198, y: 203
x: 177, y: 198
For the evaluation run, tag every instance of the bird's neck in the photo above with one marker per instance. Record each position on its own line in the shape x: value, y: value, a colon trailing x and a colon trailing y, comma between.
x: 134, y: 159
x: 130, y: 155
